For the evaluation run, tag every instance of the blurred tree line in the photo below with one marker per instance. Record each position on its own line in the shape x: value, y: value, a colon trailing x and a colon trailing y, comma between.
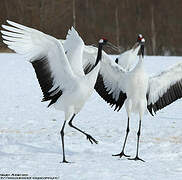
x: 160, y: 21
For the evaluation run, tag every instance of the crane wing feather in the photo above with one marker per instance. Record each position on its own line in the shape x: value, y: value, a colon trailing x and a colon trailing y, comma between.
x: 165, y: 88
x: 73, y: 46
x: 110, y: 83
x: 128, y: 59
x: 46, y: 55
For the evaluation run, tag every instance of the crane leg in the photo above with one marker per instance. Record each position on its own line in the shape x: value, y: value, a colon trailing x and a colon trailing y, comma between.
x: 89, y: 137
x: 62, y: 139
x: 127, y: 132
x: 138, y: 138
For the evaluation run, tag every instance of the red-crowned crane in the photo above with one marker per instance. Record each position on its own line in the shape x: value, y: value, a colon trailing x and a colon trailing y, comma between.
x: 118, y: 86
x: 59, y: 70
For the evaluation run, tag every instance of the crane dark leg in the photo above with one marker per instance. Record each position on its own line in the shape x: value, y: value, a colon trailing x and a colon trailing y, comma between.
x: 62, y: 138
x: 89, y: 137
x: 122, y: 152
x: 138, y: 138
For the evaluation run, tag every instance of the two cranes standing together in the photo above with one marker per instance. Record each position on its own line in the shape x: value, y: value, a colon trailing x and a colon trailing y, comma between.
x: 69, y: 72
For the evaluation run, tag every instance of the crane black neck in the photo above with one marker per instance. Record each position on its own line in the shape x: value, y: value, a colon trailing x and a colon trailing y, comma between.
x: 99, y: 54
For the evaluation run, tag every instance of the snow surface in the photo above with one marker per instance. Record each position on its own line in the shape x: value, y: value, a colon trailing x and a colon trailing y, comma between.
x: 30, y: 142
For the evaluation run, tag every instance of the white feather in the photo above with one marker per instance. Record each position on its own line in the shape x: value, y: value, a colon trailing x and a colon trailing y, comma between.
x: 128, y: 59
x: 113, y: 76
x: 73, y: 46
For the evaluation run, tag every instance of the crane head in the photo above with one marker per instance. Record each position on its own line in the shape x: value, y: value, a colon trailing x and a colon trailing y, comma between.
x: 139, y: 38
x: 103, y: 41
x: 140, y: 42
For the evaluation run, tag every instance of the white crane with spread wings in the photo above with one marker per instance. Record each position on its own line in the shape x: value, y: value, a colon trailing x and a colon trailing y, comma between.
x: 59, y: 70
x: 118, y: 84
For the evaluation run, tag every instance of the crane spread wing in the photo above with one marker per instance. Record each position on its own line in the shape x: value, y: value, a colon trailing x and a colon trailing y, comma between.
x: 164, y: 88
x: 89, y: 53
x: 73, y: 46
x: 110, y: 83
x: 46, y: 55
x: 128, y: 59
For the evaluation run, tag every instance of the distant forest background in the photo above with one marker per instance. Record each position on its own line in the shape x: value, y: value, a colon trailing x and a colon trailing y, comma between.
x: 160, y: 21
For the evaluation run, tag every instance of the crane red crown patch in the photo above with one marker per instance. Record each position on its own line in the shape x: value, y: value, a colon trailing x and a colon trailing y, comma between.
x: 104, y: 38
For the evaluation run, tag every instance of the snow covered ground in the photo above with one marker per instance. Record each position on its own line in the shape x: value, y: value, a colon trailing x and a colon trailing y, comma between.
x: 30, y: 142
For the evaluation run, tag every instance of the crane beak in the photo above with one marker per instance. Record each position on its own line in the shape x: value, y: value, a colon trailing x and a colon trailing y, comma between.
x: 112, y: 46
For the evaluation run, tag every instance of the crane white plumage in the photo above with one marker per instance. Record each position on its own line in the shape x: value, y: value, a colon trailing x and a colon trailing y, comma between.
x: 128, y: 59
x: 59, y: 70
x: 138, y: 91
